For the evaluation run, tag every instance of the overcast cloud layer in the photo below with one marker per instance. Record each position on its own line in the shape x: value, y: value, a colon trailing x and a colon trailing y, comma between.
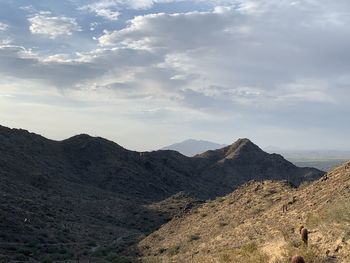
x: 149, y: 73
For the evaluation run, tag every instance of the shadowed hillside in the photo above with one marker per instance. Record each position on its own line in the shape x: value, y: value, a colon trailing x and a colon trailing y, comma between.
x: 87, y: 196
x: 244, y: 161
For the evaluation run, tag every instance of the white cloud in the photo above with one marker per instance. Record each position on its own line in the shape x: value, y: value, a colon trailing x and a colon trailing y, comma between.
x: 124, y: 4
x: 185, y: 56
x: 104, y: 11
x: 3, y: 26
x: 111, y: 9
x: 5, y: 41
x: 244, y: 46
x: 52, y: 26
x: 239, y: 66
x: 59, y: 71
x: 107, y: 13
x: 178, y: 31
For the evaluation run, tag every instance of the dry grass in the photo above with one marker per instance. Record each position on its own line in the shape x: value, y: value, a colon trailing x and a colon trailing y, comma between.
x: 311, y: 254
x: 248, y: 253
x: 336, y: 212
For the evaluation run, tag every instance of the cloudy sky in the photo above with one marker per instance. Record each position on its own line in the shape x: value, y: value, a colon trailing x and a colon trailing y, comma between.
x: 147, y: 73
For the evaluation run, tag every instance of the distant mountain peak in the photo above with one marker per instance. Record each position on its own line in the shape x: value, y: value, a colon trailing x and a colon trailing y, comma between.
x: 94, y: 145
x: 191, y: 147
x: 241, y: 145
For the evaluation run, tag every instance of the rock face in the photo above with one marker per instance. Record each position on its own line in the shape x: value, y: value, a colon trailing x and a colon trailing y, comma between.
x: 88, y: 190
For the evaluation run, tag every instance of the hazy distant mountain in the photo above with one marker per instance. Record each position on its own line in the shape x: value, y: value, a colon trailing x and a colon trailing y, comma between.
x: 88, y: 192
x: 192, y: 147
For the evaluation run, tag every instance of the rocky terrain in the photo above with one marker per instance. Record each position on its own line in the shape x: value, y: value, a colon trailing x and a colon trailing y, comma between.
x: 87, y: 197
x: 249, y: 225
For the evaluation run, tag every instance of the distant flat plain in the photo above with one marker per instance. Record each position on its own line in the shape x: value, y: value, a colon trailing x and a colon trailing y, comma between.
x: 324, y: 160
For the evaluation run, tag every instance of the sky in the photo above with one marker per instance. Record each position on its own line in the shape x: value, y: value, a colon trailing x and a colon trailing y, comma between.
x: 148, y: 73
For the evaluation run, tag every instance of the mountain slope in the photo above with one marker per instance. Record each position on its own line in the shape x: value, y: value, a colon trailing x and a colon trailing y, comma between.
x: 147, y: 176
x: 244, y: 161
x: 88, y: 195
x: 250, y: 226
x: 192, y: 147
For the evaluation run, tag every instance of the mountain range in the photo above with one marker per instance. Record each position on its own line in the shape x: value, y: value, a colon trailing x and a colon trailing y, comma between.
x: 324, y: 160
x: 87, y: 196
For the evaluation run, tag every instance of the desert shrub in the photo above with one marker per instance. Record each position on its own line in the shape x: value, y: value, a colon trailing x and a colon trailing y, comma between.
x: 100, y: 252
x: 34, y: 243
x: 225, y: 258
x: 174, y: 250
x: 194, y: 237
x: 92, y: 243
x: 162, y: 250
x: 249, y: 248
x: 222, y: 224
x: 220, y: 199
x: 25, y: 251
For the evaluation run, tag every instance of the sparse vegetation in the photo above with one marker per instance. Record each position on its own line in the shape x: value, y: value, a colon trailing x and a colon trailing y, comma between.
x: 222, y: 224
x: 310, y: 254
x: 248, y: 253
x: 174, y: 250
x: 220, y: 199
x: 162, y: 250
x: 335, y: 212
